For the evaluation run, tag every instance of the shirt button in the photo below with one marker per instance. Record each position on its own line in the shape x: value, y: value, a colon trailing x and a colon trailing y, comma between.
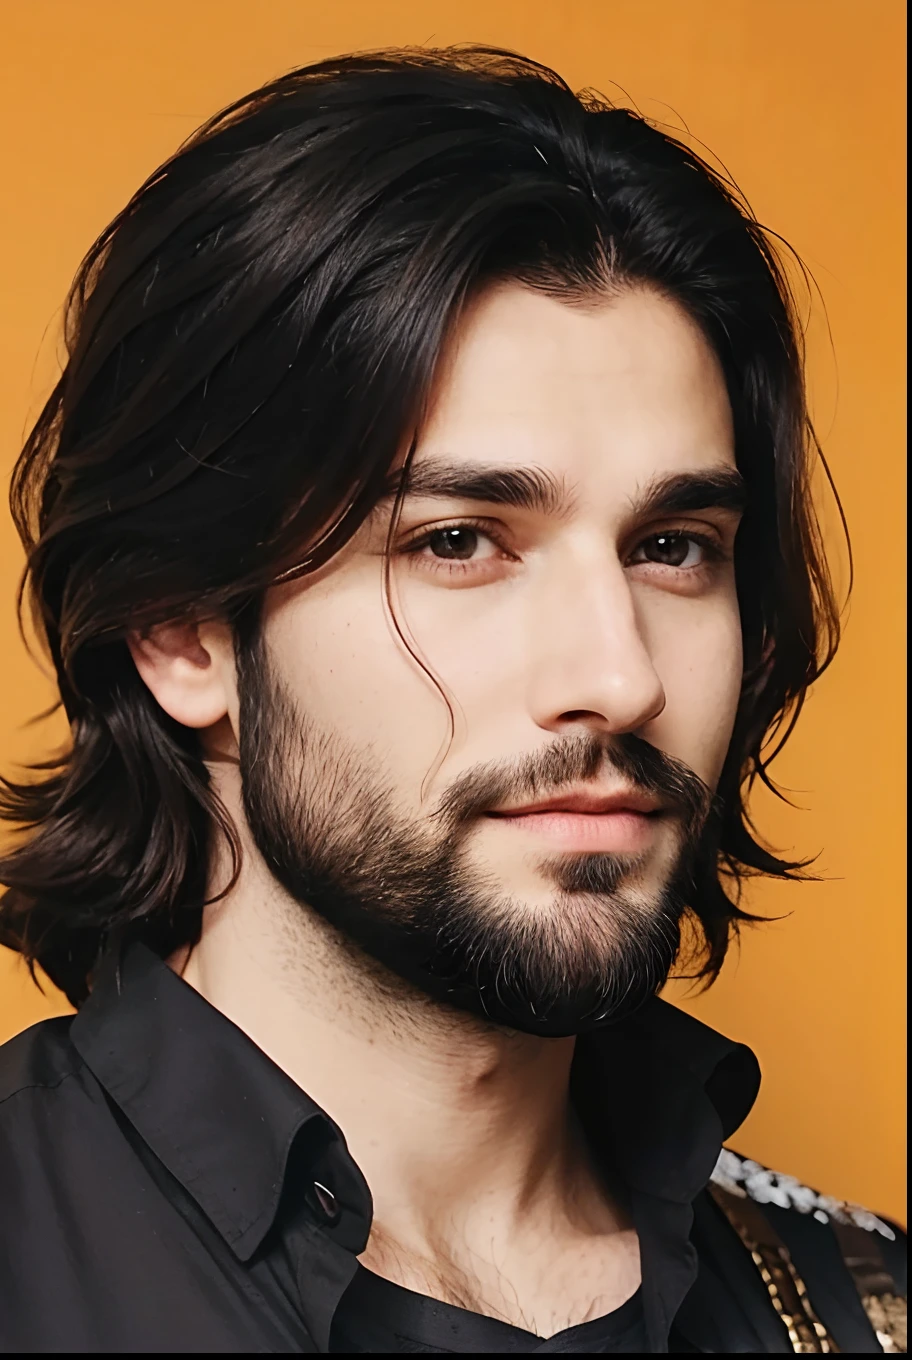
x: 327, y: 1201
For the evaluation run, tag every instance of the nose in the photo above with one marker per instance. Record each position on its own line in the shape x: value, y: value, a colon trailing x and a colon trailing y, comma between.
x: 591, y: 663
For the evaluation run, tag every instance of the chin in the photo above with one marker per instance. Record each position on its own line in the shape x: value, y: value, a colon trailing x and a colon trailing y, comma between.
x: 569, y: 964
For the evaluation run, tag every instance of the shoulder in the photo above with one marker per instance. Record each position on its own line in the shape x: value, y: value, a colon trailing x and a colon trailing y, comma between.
x: 748, y: 1179
x: 52, y: 1123
x: 41, y: 1058
x: 845, y: 1264
x: 45, y: 1095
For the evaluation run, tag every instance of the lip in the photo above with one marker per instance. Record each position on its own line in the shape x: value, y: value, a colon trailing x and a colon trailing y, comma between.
x: 587, y: 802
x: 586, y: 820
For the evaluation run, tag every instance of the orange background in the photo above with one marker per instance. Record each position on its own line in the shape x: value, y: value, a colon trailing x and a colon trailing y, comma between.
x: 803, y: 101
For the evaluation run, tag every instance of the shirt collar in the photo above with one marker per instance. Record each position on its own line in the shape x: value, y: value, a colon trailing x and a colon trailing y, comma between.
x: 666, y: 1091
x: 661, y: 1091
x: 658, y: 1092
x: 226, y: 1122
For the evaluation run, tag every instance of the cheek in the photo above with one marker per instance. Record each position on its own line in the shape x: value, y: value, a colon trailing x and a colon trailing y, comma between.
x: 338, y: 653
x: 700, y: 665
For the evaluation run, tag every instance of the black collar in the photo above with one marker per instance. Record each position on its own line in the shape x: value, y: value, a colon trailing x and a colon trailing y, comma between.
x: 227, y: 1123
x: 668, y: 1090
x: 657, y: 1093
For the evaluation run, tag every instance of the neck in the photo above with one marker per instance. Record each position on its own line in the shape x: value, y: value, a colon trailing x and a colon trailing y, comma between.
x: 439, y: 1109
x: 483, y: 1191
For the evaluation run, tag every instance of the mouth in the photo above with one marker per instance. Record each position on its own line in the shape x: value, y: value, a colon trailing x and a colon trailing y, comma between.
x: 622, y: 822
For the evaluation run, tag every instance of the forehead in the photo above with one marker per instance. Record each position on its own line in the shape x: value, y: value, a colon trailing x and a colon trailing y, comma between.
x: 616, y: 392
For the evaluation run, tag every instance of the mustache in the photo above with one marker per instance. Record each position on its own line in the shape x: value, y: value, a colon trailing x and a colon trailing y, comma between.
x: 571, y: 760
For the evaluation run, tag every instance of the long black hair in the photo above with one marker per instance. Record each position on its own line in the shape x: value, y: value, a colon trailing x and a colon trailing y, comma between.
x: 249, y: 344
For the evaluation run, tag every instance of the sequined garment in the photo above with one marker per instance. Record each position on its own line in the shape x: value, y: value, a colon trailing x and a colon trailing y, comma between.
x: 742, y: 1187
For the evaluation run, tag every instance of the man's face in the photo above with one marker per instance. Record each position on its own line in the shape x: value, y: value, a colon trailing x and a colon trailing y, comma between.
x: 561, y: 572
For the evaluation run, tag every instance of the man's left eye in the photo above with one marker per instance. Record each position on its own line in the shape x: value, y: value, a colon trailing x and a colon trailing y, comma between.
x: 672, y: 550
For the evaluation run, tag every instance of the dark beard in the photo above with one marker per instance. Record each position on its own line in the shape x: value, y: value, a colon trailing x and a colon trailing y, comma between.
x: 407, y: 896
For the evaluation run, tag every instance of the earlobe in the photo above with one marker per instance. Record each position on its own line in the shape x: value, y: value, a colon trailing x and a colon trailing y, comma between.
x: 187, y: 678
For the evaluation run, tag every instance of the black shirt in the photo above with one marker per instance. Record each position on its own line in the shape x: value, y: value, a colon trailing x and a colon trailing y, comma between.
x: 164, y: 1187
x: 381, y: 1318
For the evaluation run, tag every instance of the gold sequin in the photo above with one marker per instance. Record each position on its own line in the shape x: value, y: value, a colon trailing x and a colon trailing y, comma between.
x: 786, y: 1289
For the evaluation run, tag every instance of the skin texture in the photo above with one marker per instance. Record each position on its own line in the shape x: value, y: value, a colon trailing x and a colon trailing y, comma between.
x: 557, y: 625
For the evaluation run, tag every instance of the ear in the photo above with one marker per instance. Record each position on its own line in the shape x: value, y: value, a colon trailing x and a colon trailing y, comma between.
x: 189, y: 668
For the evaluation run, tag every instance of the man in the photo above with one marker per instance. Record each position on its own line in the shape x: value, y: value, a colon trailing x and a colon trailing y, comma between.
x: 421, y: 534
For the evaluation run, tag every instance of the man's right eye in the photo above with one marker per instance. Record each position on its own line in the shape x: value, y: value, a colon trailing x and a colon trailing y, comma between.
x: 457, y: 542
x: 452, y: 545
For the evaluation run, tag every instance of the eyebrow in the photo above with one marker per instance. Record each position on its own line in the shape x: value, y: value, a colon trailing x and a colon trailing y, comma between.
x: 528, y: 488
x: 536, y: 489
x: 708, y: 489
